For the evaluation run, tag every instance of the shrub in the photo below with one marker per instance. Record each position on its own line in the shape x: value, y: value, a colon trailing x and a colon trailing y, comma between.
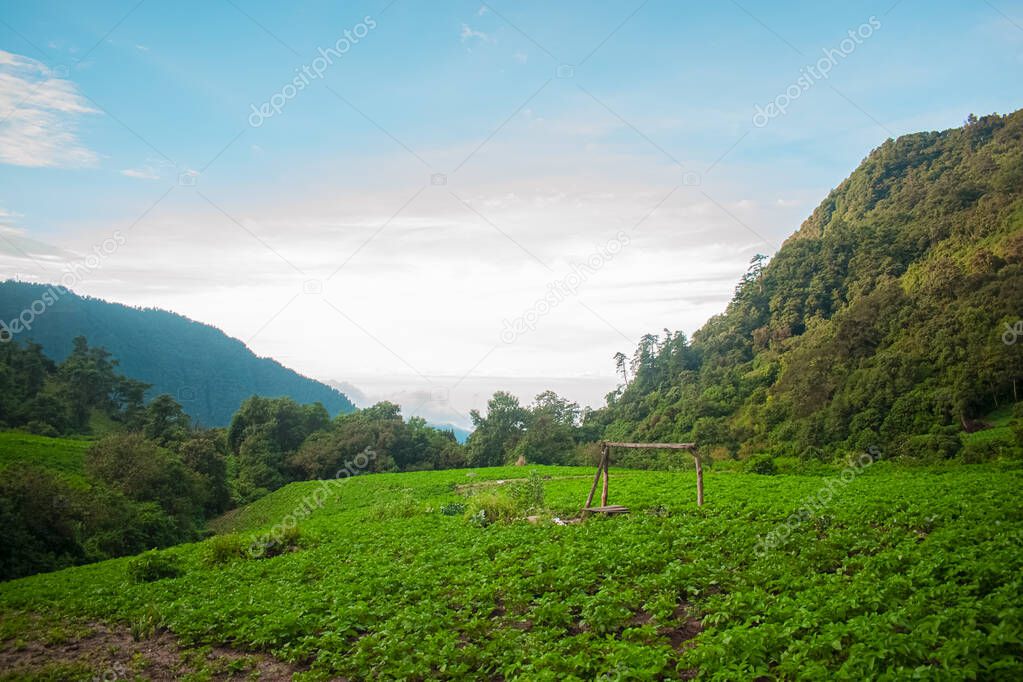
x: 988, y: 448
x: 529, y: 494
x: 403, y: 507
x: 789, y: 465
x: 812, y: 453
x: 222, y: 549
x: 288, y: 539
x: 488, y: 507
x: 761, y: 464
x: 453, y: 509
x: 145, y: 625
x: 41, y: 428
x: 930, y: 446
x: 151, y: 566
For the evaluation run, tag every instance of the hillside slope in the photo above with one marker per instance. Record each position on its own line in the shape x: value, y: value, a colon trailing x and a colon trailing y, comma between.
x: 205, y: 370
x: 880, y: 322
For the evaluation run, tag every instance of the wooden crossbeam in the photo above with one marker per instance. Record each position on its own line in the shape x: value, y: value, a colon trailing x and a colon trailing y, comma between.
x: 605, y: 463
x: 654, y: 446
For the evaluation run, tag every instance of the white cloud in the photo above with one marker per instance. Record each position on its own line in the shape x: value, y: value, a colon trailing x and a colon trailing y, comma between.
x: 152, y: 169
x: 468, y: 33
x: 40, y: 109
x: 144, y: 173
x: 521, y: 57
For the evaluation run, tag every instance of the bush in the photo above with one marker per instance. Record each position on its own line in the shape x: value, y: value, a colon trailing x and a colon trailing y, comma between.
x: 145, y: 625
x: 41, y: 428
x: 403, y: 507
x: 152, y: 566
x: 761, y: 464
x: 489, y: 507
x: 222, y: 549
x: 453, y: 509
x: 990, y: 447
x: 529, y: 494
x: 931, y: 447
x: 267, y: 546
x: 812, y: 453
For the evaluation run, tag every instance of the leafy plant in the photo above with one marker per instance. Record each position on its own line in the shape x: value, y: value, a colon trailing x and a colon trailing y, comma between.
x: 761, y: 464
x: 453, y: 509
x: 529, y: 494
x: 152, y: 566
x: 222, y: 549
x: 489, y: 507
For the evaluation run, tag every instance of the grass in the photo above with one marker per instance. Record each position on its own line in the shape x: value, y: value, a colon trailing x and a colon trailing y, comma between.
x: 904, y: 573
x: 65, y: 455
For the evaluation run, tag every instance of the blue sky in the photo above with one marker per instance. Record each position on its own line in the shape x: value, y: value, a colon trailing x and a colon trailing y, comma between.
x: 556, y: 127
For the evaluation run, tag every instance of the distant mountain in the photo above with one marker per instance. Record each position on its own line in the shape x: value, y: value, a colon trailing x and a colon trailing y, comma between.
x: 205, y: 370
x: 461, y: 435
x: 361, y: 400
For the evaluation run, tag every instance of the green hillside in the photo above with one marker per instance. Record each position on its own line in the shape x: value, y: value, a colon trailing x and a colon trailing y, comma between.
x: 878, y: 323
x: 903, y: 576
x: 205, y: 370
x: 65, y: 455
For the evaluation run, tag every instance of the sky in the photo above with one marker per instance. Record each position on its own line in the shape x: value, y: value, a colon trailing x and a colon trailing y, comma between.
x: 433, y: 201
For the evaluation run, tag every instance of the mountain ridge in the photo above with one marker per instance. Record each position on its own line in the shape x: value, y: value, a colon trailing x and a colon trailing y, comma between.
x: 209, y: 372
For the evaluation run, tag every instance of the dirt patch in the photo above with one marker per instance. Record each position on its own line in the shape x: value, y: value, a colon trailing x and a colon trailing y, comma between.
x: 681, y: 636
x: 112, y: 654
x: 469, y: 487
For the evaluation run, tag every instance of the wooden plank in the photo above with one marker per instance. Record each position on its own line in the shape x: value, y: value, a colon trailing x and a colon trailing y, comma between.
x: 610, y: 510
x: 696, y: 458
x: 596, y: 479
x: 607, y: 475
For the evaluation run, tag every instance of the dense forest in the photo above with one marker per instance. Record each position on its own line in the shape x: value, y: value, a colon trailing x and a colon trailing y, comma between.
x: 205, y: 370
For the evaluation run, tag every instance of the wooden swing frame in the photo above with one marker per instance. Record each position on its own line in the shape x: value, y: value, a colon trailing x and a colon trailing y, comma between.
x: 605, y: 462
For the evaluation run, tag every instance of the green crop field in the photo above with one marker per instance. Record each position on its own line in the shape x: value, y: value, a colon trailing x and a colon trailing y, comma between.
x: 897, y: 573
x: 65, y: 455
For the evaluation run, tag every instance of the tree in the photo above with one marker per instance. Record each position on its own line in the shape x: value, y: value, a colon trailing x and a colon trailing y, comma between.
x: 264, y: 434
x: 165, y: 422
x: 145, y: 472
x: 203, y: 453
x: 620, y: 360
x: 90, y: 382
x: 495, y: 436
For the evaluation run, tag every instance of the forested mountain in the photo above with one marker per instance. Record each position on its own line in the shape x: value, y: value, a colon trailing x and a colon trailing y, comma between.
x: 885, y: 320
x: 208, y: 372
x: 89, y: 470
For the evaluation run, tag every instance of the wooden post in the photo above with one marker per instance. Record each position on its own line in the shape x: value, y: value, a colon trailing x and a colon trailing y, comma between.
x: 699, y: 479
x: 603, y: 493
x: 596, y: 479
